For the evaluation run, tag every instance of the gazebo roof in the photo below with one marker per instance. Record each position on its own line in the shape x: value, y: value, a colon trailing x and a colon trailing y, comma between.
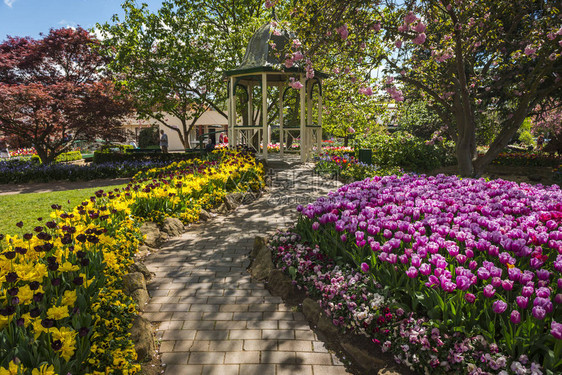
x: 261, y: 57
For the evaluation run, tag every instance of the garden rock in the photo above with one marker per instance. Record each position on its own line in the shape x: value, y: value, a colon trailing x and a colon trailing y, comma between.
x: 233, y: 200
x: 173, y: 227
x: 326, y: 326
x: 151, y: 231
x: 261, y: 265
x: 204, y: 215
x: 143, y: 338
x: 259, y: 242
x: 140, y: 267
x: 141, y: 297
x: 311, y: 310
x: 133, y: 281
x: 143, y: 251
x: 280, y: 284
x: 222, y: 209
x: 363, y: 357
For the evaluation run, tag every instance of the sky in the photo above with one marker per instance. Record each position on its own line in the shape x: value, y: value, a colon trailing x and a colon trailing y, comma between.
x: 31, y: 17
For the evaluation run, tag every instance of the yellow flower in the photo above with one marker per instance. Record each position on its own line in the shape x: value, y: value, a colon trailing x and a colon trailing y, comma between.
x: 68, y: 338
x: 69, y: 298
x: 57, y: 312
x: 44, y: 369
x: 13, y: 369
x: 31, y: 271
x: 25, y: 294
x: 67, y: 267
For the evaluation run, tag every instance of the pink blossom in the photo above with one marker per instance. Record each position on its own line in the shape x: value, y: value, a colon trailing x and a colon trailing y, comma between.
x: 336, y: 71
x: 398, y: 43
x: 297, y: 56
x: 297, y: 43
x: 530, y: 50
x: 449, y: 7
x: 343, y: 31
x: 376, y: 27
x: 420, y: 39
x: 420, y: 27
x: 276, y: 32
x: 552, y: 56
x: 402, y: 28
x: 410, y: 17
x: 366, y: 91
x: 289, y: 63
x: 559, y: 32
x: 270, y: 3
x: 551, y: 36
x: 351, y: 130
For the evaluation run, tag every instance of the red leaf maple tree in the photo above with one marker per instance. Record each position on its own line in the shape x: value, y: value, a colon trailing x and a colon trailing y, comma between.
x: 56, y: 90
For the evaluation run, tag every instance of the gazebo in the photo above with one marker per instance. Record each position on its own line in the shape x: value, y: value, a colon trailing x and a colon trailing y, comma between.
x: 262, y: 67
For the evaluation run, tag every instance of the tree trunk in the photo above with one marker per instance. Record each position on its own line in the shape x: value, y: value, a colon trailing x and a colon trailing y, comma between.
x: 464, y: 156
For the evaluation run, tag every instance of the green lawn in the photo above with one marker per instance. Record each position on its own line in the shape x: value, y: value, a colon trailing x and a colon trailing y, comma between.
x: 29, y: 207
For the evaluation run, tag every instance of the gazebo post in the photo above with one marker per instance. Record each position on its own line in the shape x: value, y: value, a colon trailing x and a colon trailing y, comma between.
x: 302, y: 118
x: 319, y: 132
x: 281, y: 132
x: 250, y: 113
x: 232, y: 139
x: 309, y: 119
x: 264, y: 114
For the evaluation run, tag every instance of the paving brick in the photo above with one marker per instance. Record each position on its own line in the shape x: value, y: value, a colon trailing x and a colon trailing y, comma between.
x: 319, y: 346
x: 293, y: 324
x: 278, y: 334
x: 217, y: 316
x: 262, y: 369
x: 286, y: 369
x: 248, y: 334
x: 260, y: 345
x: 248, y: 316
x: 305, y: 335
x: 180, y: 307
x: 205, y: 308
x: 295, y: 345
x: 278, y: 357
x: 242, y: 357
x: 184, y: 315
x: 226, y: 346
x: 182, y: 334
x: 221, y: 369
x: 182, y: 345
x: 278, y: 315
x: 230, y: 324
x: 212, y: 335
x: 170, y: 324
x: 197, y: 324
x: 174, y: 358
x: 329, y: 370
x: 263, y: 324
x: 183, y: 370
x: 264, y: 307
x: 314, y: 358
x: 233, y: 307
x: 158, y: 316
x: 204, y: 358
x: 167, y: 346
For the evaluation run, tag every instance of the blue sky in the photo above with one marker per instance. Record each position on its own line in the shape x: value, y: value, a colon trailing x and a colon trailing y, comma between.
x: 31, y: 17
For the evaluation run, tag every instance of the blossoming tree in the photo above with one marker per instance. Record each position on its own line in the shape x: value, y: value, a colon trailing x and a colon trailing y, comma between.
x: 54, y: 90
x: 462, y: 57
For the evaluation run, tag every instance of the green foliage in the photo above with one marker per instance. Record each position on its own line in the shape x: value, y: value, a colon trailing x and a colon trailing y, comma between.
x: 406, y: 151
x: 416, y: 118
x: 148, y: 137
x: 115, y: 157
x: 64, y: 157
x: 115, y: 148
x: 347, y: 168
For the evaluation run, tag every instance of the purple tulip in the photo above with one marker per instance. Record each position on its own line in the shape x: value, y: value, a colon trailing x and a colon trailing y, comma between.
x: 539, y: 312
x: 412, y: 272
x: 469, y: 297
x: 558, y: 298
x: 515, y: 317
x: 522, y: 302
x: 343, y: 238
x: 463, y: 283
x: 543, y: 274
x: 315, y: 225
x: 556, y: 330
x: 543, y: 292
x: 425, y: 269
x: 416, y: 261
x: 483, y: 273
x: 489, y: 291
x: 496, y: 281
x: 559, y: 283
x: 499, y: 306
x: 507, y: 284
x: 527, y: 291
x: 526, y: 277
x: 514, y: 274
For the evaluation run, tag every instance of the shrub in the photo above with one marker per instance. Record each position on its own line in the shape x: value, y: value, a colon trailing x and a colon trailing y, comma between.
x: 406, y: 151
x: 347, y: 168
x: 149, y: 137
x: 105, y: 157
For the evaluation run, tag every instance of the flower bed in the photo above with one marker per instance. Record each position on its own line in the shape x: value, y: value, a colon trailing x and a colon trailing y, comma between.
x: 348, y: 168
x: 475, y: 266
x: 20, y: 171
x: 62, y: 309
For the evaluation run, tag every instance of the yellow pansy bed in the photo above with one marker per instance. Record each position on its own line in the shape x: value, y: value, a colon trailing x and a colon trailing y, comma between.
x: 62, y: 308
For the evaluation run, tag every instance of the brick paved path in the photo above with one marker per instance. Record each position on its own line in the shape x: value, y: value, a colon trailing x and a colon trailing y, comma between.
x: 214, y: 318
